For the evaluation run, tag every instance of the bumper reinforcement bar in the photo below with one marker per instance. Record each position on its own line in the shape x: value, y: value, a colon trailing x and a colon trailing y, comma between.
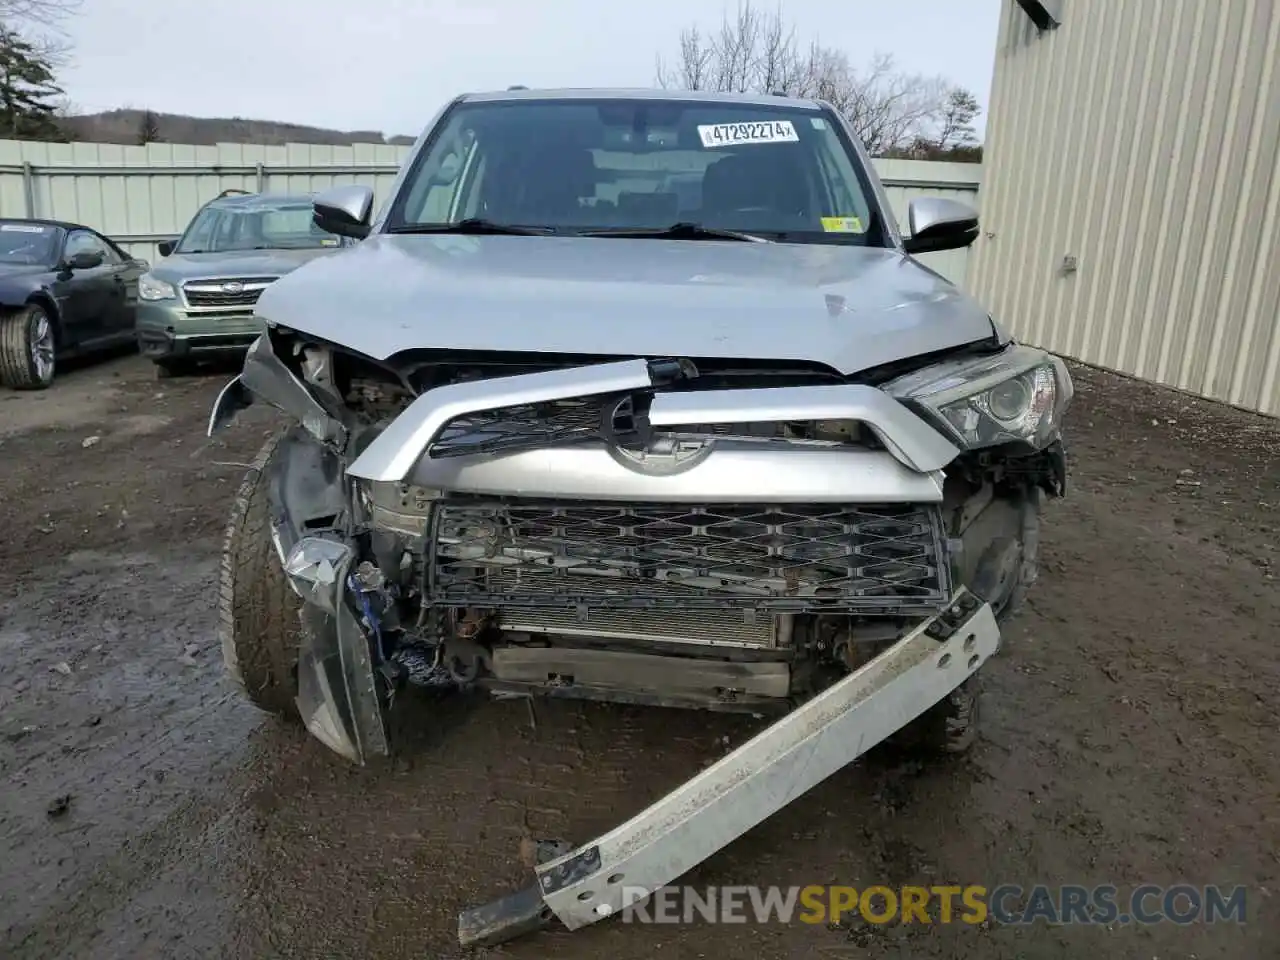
x: 759, y: 778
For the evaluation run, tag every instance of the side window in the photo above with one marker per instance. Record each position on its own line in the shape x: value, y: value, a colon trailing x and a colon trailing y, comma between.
x: 439, y: 199
x: 442, y: 184
x: 82, y: 241
x: 200, y: 234
x: 113, y: 255
x: 838, y: 182
x: 470, y: 193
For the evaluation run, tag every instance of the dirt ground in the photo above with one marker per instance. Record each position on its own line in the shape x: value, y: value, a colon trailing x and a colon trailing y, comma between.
x: 1131, y: 725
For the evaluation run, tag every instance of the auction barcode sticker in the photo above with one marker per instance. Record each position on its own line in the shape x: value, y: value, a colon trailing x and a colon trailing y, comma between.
x: 24, y: 228
x: 732, y: 134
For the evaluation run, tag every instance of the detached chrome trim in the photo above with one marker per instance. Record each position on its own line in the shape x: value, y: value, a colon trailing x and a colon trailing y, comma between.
x: 731, y: 473
x: 391, y: 456
x: 907, y: 437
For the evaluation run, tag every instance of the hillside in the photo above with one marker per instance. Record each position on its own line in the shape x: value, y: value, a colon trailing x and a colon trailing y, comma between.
x: 124, y: 126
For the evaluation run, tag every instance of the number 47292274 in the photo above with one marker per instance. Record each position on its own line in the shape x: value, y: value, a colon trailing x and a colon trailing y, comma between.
x: 733, y: 134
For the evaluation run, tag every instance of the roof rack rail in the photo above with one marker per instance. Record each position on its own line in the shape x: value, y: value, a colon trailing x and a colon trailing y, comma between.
x: 779, y: 93
x: 517, y: 86
x: 231, y: 192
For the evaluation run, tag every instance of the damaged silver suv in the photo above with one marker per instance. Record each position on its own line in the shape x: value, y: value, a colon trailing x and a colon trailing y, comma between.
x: 639, y: 397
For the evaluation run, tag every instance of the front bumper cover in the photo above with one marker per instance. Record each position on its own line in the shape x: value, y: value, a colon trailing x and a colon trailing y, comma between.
x: 337, y: 688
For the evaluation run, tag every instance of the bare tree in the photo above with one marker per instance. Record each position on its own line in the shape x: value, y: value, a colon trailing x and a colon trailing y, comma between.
x: 42, y: 23
x: 757, y: 50
x: 693, y: 69
x: 48, y: 13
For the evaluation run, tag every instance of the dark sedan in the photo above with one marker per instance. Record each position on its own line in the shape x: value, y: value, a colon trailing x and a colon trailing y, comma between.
x: 65, y: 290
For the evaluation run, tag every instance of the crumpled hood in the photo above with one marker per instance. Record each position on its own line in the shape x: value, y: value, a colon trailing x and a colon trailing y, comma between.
x: 850, y: 308
x: 240, y: 263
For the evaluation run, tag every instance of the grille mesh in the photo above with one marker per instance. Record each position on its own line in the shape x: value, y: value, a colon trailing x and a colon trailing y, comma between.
x: 557, y: 422
x: 799, y: 557
x: 524, y: 427
x: 208, y: 293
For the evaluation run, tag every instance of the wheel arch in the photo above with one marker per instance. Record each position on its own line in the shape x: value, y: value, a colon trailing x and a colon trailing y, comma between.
x: 42, y: 298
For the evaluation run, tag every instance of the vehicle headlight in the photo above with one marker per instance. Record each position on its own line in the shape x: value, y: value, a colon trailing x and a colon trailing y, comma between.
x: 1018, y: 395
x: 152, y: 288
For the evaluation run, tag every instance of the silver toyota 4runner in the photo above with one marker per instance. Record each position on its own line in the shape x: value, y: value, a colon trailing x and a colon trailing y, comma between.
x: 640, y: 397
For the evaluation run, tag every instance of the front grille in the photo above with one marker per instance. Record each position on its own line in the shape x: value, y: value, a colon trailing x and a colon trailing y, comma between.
x: 814, y: 557
x: 606, y: 416
x: 525, y: 427
x: 229, y: 292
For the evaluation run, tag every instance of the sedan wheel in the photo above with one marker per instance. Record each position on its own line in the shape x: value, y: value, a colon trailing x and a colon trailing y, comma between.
x: 28, y: 349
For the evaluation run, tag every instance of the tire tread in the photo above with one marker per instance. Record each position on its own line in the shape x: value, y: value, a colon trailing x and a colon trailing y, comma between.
x: 258, y: 612
x: 16, y: 369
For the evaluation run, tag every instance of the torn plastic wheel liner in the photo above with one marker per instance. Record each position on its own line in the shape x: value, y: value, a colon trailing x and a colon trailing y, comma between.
x: 762, y: 776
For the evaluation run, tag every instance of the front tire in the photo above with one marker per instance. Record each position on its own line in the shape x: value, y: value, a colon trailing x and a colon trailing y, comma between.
x: 28, y: 348
x: 948, y: 727
x: 258, y: 612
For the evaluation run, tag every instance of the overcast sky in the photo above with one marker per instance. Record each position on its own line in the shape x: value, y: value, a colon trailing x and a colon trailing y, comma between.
x: 389, y: 64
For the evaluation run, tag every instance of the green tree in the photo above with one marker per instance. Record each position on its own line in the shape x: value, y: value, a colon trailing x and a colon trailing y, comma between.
x: 28, y: 92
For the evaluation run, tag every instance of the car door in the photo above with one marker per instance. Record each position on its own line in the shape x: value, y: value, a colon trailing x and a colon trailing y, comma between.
x: 92, y: 295
x: 125, y: 271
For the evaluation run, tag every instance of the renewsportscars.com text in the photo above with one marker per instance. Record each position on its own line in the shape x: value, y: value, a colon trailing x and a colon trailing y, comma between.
x: 1004, y: 904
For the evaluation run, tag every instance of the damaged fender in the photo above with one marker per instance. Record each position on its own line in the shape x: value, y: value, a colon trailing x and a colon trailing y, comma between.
x: 265, y: 376
x: 337, y: 688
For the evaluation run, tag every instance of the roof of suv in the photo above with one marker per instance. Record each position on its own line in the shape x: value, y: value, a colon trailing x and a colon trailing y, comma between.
x: 252, y: 201
x: 585, y: 93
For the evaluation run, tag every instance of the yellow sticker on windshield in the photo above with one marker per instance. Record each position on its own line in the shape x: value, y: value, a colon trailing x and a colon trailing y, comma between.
x: 328, y: 241
x: 842, y: 224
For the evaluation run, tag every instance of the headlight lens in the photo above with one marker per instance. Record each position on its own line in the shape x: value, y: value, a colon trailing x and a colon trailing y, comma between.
x: 1018, y: 395
x: 151, y: 288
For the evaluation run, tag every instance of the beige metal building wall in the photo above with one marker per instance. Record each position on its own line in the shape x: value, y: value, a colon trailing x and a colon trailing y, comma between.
x: 1131, y: 191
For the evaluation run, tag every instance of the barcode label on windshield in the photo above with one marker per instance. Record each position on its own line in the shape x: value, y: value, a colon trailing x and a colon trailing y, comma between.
x: 732, y: 134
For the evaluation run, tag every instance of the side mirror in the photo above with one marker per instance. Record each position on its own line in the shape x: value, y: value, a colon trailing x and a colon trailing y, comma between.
x: 166, y: 247
x: 86, y: 260
x: 939, y: 224
x: 345, y: 211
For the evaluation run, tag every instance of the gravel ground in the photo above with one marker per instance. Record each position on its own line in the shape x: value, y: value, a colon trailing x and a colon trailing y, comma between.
x: 1130, y: 726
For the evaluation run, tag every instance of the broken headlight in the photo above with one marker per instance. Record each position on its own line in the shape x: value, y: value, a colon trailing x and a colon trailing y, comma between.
x: 1018, y: 395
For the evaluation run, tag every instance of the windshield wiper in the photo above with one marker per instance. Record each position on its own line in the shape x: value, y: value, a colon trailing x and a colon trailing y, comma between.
x: 471, y: 225
x: 677, y: 231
